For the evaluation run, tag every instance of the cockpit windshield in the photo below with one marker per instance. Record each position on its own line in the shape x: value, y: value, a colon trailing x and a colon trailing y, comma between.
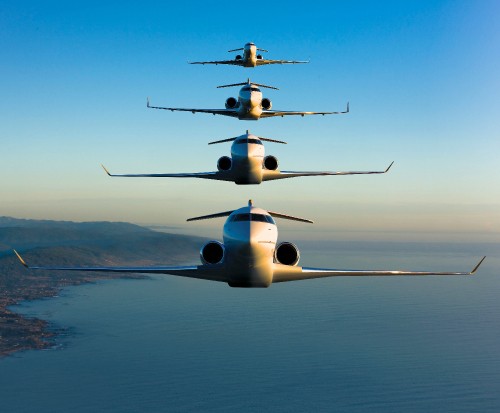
x: 250, y: 140
x: 253, y: 217
x: 250, y: 88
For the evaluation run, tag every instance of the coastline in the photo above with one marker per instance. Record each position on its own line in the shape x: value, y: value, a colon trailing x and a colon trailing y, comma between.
x: 20, y: 332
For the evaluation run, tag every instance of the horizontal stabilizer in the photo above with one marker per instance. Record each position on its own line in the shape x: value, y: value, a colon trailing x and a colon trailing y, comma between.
x: 221, y: 141
x: 248, y: 82
x: 289, y: 217
x: 261, y: 85
x: 210, y: 216
x: 272, y: 140
x: 233, y: 84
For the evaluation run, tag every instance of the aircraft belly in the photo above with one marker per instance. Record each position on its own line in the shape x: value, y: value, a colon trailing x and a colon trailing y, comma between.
x: 247, y: 112
x: 249, y: 264
x: 247, y: 170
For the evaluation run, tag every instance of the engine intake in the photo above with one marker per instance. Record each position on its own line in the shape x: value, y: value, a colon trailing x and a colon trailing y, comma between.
x: 287, y: 253
x: 231, y: 103
x: 224, y: 163
x: 238, y: 57
x: 266, y: 104
x: 212, y: 253
x: 270, y: 163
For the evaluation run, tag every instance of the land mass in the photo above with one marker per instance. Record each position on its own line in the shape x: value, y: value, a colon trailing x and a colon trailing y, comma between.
x: 72, y: 243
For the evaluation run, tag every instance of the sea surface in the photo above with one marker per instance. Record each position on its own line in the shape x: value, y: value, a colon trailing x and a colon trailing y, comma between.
x: 168, y: 344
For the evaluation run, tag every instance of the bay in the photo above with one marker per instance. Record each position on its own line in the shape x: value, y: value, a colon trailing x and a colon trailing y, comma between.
x: 168, y: 344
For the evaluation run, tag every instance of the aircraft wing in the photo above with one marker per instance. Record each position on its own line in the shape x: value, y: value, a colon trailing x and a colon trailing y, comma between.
x: 220, y: 62
x: 225, y: 112
x: 272, y: 175
x: 284, y: 273
x: 220, y: 176
x: 261, y: 62
x: 272, y: 113
x: 204, y: 272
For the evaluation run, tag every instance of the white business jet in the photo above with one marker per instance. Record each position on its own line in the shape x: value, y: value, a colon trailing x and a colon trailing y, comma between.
x: 250, y: 58
x: 247, y: 165
x: 249, y: 255
x: 250, y: 105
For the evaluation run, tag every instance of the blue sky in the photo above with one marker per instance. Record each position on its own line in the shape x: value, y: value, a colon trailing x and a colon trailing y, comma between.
x: 421, y: 76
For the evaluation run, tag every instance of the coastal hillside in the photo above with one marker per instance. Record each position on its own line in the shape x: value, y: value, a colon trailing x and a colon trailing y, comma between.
x: 72, y: 243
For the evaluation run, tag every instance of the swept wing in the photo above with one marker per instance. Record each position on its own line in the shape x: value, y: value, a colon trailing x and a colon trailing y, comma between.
x: 284, y: 273
x: 219, y: 176
x: 272, y: 113
x: 220, y: 62
x: 261, y: 62
x: 225, y: 112
x: 272, y: 175
x: 212, y: 272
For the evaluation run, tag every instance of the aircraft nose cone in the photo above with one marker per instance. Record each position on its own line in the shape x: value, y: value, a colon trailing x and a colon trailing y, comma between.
x: 260, y: 232
x: 255, y: 99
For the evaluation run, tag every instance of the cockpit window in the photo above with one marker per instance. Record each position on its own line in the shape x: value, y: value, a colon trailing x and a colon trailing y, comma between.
x: 240, y: 217
x: 255, y: 89
x: 246, y: 88
x: 255, y: 141
x: 253, y: 217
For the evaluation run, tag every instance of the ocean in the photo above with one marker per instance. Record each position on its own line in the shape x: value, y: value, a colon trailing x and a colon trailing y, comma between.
x: 168, y: 344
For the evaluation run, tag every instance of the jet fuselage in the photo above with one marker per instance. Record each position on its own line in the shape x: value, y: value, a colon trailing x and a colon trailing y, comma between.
x: 247, y: 156
x: 249, y: 55
x: 250, y: 236
x: 249, y: 103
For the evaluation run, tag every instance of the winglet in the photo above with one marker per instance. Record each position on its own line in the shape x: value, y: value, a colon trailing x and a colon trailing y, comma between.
x: 347, y: 111
x: 103, y: 167
x: 387, y: 170
x: 477, y: 266
x: 147, y: 102
x: 20, y: 258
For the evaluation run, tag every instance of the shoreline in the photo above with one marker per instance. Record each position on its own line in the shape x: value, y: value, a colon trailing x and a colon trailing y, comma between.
x: 22, y: 333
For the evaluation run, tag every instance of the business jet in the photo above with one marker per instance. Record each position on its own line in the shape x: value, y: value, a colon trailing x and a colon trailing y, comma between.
x: 247, y: 165
x: 250, y: 58
x: 249, y: 255
x: 250, y: 105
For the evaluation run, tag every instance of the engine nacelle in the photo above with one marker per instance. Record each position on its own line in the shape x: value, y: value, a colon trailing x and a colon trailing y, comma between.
x: 259, y: 56
x: 231, y: 103
x: 286, y: 253
x: 270, y: 163
x: 212, y: 253
x: 266, y: 104
x: 238, y: 57
x: 224, y: 163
